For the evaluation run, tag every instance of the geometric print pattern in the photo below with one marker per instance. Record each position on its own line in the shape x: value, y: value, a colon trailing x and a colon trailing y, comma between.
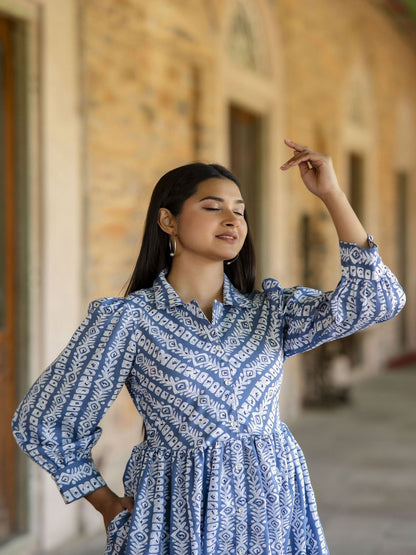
x: 218, y: 473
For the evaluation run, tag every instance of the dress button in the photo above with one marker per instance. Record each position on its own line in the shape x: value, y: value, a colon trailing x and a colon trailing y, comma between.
x: 241, y: 510
x: 238, y: 467
x: 228, y: 382
x: 241, y: 551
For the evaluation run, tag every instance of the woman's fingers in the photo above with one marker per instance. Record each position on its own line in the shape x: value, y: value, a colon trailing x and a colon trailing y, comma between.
x: 298, y: 158
x: 127, y: 503
x: 295, y: 146
x: 305, y: 156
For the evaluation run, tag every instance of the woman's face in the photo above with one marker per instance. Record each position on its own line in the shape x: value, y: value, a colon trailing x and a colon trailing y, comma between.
x: 211, y: 224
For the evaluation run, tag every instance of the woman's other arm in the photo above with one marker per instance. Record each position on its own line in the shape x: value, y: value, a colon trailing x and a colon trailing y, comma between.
x: 57, y: 423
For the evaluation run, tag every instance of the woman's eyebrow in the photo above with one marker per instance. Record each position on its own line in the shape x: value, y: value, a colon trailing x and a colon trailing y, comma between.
x: 219, y: 199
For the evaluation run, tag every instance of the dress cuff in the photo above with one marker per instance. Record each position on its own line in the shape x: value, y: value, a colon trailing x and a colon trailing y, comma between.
x: 361, y: 263
x: 79, y: 479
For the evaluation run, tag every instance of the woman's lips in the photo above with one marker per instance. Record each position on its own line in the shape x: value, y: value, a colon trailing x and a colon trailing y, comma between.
x: 227, y: 237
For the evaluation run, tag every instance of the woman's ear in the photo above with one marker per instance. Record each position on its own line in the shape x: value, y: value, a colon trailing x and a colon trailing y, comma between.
x: 167, y: 221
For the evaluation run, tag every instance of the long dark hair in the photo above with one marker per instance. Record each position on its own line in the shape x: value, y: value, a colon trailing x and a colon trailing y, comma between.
x: 171, y: 191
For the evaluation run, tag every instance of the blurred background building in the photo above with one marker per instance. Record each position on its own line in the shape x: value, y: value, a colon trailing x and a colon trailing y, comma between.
x: 100, y: 97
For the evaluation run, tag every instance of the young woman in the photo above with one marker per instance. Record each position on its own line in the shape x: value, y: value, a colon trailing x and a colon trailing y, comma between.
x: 201, y: 354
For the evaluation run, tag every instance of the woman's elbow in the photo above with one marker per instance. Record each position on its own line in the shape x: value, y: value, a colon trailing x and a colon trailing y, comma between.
x: 397, y: 303
x: 393, y: 302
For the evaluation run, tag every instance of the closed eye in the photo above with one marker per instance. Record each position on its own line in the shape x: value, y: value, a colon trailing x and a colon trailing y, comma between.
x: 218, y: 209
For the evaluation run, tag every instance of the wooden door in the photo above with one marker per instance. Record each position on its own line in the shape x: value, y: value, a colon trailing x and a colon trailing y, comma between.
x: 353, y: 344
x: 402, y: 247
x: 7, y: 283
x: 246, y: 156
x: 356, y: 178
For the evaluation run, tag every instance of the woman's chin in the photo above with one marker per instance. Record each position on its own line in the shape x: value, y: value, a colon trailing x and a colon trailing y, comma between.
x: 230, y: 256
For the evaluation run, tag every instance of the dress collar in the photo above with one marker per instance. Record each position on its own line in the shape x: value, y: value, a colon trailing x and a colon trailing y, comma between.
x: 167, y: 297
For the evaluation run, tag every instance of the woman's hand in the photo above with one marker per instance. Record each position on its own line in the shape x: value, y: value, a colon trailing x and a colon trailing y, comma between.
x: 316, y: 170
x: 318, y: 174
x: 109, y: 504
x: 114, y: 508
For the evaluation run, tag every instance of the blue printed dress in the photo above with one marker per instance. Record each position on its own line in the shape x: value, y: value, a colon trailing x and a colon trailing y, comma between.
x: 218, y: 473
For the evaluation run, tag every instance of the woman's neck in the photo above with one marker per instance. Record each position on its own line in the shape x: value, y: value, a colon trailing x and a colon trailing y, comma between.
x: 202, y: 282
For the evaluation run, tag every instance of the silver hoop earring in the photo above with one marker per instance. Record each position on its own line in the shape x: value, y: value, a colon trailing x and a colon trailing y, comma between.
x: 228, y: 262
x: 172, y: 248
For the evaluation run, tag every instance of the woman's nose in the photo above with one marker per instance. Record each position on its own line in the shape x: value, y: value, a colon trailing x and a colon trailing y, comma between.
x: 231, y: 219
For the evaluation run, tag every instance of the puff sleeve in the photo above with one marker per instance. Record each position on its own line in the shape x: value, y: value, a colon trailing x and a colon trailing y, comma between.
x: 56, y: 424
x: 367, y: 293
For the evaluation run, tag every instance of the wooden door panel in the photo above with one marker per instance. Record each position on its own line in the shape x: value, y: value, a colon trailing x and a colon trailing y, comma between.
x: 245, y: 149
x: 7, y: 283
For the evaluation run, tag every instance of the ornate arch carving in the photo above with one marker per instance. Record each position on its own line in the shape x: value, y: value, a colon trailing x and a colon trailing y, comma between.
x: 246, y: 44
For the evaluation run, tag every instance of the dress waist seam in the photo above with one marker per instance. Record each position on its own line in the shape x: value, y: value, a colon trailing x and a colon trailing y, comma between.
x: 218, y: 443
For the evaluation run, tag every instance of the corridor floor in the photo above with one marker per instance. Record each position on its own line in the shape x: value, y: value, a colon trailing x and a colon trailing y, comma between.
x: 362, y: 460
